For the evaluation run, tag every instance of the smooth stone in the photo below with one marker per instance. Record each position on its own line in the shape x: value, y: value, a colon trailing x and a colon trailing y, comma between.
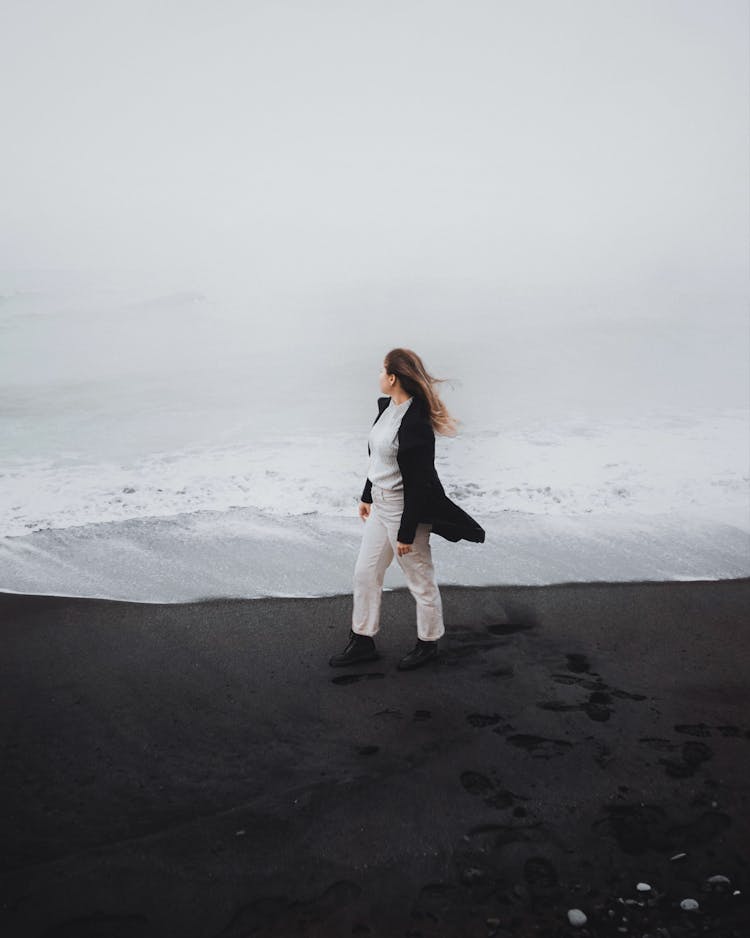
x: 576, y: 917
x: 643, y: 887
x: 689, y: 905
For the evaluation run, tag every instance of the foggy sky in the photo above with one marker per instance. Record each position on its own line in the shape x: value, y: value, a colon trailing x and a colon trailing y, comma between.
x: 571, y: 150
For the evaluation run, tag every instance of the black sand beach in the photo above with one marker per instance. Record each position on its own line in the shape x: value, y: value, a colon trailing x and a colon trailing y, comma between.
x: 200, y: 771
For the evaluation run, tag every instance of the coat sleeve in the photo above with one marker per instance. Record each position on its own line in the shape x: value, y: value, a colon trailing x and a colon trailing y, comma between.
x: 416, y: 463
x: 367, y: 492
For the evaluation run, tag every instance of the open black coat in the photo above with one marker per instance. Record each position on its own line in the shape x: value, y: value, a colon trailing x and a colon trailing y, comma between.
x: 425, y: 500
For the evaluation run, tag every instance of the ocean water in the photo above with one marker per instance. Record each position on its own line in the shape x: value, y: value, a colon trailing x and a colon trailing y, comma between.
x: 164, y: 445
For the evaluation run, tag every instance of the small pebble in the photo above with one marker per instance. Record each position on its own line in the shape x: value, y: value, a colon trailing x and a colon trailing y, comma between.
x: 689, y: 905
x: 643, y: 887
x: 678, y: 856
x: 736, y: 892
x: 576, y: 917
x: 718, y: 879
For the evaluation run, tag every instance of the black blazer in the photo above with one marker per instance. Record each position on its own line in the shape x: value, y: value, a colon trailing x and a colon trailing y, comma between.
x: 424, y: 497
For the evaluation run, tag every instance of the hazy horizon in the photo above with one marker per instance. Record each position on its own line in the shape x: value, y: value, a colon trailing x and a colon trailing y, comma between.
x: 564, y: 156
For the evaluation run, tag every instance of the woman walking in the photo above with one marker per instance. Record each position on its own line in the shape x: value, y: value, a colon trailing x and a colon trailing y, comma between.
x: 403, y: 501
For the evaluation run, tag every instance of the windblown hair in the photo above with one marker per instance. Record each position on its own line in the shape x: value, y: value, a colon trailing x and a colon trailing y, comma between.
x: 417, y: 381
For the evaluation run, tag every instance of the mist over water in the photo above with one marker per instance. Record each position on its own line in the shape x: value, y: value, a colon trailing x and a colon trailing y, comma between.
x: 124, y: 400
x: 128, y: 369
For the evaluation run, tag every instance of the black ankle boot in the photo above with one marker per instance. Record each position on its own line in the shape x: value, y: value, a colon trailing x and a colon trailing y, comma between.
x: 422, y: 652
x: 360, y: 648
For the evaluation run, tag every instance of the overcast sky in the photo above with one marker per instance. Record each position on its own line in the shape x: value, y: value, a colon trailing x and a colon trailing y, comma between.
x: 573, y: 148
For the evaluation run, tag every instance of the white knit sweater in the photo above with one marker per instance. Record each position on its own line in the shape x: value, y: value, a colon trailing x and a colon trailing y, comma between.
x: 383, y: 467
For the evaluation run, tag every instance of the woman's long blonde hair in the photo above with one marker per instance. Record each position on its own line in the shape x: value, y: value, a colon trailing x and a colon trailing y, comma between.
x: 407, y: 366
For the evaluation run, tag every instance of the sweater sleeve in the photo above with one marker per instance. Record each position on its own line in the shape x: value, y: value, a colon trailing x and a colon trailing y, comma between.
x: 367, y: 490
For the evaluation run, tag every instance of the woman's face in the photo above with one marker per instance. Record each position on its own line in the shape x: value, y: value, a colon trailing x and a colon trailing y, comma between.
x: 385, y: 385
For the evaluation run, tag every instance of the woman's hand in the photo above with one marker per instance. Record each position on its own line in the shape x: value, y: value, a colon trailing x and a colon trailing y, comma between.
x: 364, y: 512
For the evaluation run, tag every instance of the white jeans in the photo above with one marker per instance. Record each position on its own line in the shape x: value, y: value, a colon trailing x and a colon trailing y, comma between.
x: 375, y: 555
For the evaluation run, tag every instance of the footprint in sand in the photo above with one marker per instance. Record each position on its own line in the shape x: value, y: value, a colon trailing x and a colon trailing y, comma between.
x: 693, y: 729
x: 676, y: 769
x: 500, y: 799
x: 433, y: 900
x: 658, y: 743
x: 701, y: 830
x: 476, y: 783
x: 641, y: 827
x: 595, y: 707
x: 626, y: 694
x: 694, y: 753
x: 558, y: 705
x: 353, y: 678
x: 494, y: 795
x: 481, y: 859
x: 598, y: 706
x: 502, y: 729
x: 635, y: 827
x: 539, y: 746
x: 701, y: 729
x: 727, y: 730
x: 578, y: 662
x: 603, y: 754
x: 566, y: 679
x: 541, y: 877
x: 599, y: 686
x: 483, y: 719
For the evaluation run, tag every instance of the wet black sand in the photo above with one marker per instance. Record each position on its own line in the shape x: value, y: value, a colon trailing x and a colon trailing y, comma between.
x: 200, y: 771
